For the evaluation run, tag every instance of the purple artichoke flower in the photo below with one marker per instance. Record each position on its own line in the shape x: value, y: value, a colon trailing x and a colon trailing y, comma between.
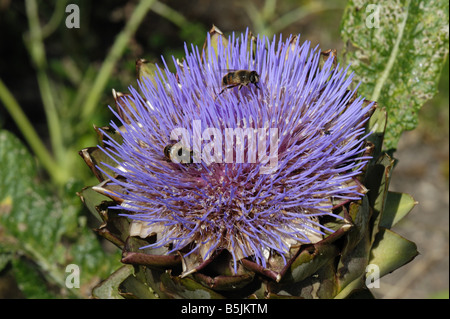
x: 251, y: 169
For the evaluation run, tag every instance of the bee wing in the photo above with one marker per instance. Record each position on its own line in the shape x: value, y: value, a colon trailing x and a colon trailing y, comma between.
x: 229, y: 70
x: 226, y: 71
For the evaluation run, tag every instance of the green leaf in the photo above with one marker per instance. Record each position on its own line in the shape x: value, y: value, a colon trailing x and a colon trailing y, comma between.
x: 320, y: 285
x: 355, y: 285
x: 397, y: 206
x: 188, y: 288
x: 132, y: 288
x: 109, y: 288
x: 353, y: 263
x: 377, y: 182
x: 397, y: 49
x: 377, y: 125
x: 360, y: 214
x: 91, y: 199
x: 215, y: 36
x: 29, y: 213
x: 94, y: 158
x: 31, y: 283
x: 152, y: 278
x: 45, y: 228
x: 310, y: 261
x: 355, y: 252
x: 391, y: 251
x: 149, y: 71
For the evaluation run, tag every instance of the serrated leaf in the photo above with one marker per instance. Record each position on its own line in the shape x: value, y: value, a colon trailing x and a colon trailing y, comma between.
x: 397, y: 50
x: 391, y: 251
x: 397, y: 206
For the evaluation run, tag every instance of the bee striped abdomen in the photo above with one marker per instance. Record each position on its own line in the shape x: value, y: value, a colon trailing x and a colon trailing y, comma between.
x: 226, y: 79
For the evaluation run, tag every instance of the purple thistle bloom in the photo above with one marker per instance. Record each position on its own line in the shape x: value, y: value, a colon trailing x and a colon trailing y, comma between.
x: 254, y: 196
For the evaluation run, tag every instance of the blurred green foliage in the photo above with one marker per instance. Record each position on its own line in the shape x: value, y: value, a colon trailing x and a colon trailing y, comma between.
x: 55, y: 83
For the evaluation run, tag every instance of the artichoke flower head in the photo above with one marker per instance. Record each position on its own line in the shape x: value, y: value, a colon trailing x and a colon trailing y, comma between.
x: 236, y: 165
